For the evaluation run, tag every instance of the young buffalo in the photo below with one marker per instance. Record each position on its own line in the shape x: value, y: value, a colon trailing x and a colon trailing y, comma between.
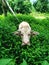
x: 25, y: 32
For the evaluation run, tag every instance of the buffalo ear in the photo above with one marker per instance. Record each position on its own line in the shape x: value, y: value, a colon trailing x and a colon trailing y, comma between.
x: 34, y: 33
x: 17, y: 32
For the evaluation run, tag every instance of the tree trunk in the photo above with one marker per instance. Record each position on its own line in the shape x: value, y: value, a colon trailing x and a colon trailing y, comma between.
x: 10, y: 7
x: 5, y: 4
x: 4, y: 7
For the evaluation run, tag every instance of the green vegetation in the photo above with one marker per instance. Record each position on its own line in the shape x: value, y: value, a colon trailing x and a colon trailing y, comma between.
x: 11, y: 51
x: 10, y: 45
x: 25, y: 6
x: 21, y: 6
x: 7, y: 61
x: 42, y: 5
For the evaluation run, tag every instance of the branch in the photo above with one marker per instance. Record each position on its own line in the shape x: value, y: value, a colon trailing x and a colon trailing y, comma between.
x: 10, y: 7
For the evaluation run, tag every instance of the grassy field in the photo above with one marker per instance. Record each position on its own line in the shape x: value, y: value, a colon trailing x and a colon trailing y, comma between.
x: 10, y: 45
x: 39, y: 15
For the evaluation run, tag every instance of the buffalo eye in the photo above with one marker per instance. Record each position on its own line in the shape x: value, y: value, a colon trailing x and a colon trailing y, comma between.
x: 21, y: 34
x: 28, y: 34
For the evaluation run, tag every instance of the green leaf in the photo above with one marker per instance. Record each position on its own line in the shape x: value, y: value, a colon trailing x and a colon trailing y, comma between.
x: 24, y: 62
x: 45, y: 63
x: 6, y: 62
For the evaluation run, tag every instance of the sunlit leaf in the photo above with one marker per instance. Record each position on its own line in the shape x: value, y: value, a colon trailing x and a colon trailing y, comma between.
x: 45, y: 63
x: 24, y: 62
x: 6, y: 62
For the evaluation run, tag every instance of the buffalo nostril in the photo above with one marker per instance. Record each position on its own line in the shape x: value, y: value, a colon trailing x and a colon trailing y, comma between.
x: 25, y: 42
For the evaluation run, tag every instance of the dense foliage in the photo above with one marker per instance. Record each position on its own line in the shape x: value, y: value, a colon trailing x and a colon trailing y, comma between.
x: 10, y: 45
x: 42, y: 5
x: 21, y: 6
x: 25, y: 6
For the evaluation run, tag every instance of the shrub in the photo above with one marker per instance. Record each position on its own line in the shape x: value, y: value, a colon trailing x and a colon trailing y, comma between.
x: 21, y: 6
x: 10, y: 45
